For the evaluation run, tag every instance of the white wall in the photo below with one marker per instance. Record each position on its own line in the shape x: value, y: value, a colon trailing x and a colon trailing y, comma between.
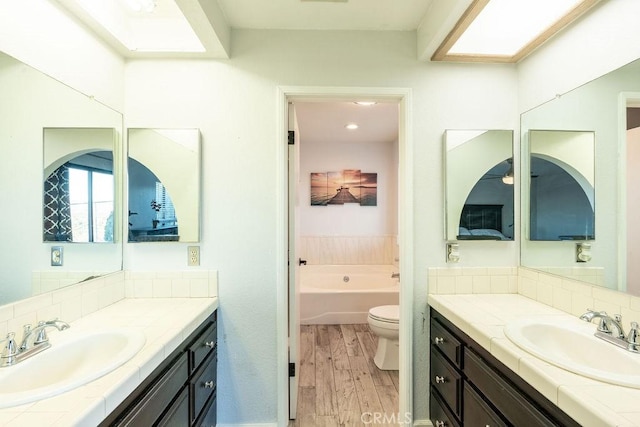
x: 350, y: 219
x: 234, y: 104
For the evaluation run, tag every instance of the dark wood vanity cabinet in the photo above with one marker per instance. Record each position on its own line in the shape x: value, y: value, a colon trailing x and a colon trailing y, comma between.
x: 470, y: 387
x: 181, y: 391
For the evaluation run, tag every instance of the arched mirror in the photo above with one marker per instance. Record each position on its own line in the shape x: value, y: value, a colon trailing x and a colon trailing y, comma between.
x: 479, y: 185
x: 561, y: 189
x: 164, y: 185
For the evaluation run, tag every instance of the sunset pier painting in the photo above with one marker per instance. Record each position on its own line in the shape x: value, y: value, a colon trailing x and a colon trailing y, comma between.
x: 348, y: 186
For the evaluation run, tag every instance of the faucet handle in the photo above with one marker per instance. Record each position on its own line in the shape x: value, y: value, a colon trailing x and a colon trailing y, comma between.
x: 10, y: 349
x: 632, y: 336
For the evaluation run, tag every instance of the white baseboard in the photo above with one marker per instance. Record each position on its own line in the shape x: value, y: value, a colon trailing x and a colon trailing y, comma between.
x: 417, y: 423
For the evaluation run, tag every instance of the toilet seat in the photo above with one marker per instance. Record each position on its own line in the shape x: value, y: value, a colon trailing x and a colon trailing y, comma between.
x: 385, y: 313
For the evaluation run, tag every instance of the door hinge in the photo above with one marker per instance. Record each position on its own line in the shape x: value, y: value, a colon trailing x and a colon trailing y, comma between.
x: 292, y: 369
x: 291, y: 138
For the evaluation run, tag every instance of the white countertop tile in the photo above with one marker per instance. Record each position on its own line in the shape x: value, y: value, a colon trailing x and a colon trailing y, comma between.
x: 589, y: 402
x: 166, y: 322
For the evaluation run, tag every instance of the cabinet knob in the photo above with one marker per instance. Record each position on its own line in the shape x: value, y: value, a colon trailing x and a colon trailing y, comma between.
x: 209, y: 384
x: 440, y: 380
x: 210, y: 344
x: 439, y: 340
x: 440, y: 423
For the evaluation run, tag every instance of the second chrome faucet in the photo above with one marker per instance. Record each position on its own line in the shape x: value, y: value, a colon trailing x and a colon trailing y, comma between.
x: 611, y: 330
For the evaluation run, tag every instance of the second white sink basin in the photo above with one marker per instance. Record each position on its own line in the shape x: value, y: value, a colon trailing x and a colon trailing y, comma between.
x: 67, y: 364
x: 570, y: 344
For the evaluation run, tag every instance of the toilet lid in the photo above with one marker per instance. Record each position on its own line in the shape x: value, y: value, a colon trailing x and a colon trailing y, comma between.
x: 386, y: 313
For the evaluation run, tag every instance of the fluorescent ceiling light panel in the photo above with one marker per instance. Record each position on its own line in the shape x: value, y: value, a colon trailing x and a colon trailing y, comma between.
x: 507, y: 30
x: 143, y: 25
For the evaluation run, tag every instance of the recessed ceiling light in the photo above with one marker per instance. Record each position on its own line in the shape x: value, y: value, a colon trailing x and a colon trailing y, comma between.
x: 507, y: 30
x: 351, y: 126
x: 365, y: 103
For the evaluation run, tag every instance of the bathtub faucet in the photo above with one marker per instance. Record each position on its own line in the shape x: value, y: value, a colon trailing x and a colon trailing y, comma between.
x: 395, y: 275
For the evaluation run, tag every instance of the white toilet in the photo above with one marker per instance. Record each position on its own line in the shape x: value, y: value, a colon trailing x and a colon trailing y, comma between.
x: 383, y: 321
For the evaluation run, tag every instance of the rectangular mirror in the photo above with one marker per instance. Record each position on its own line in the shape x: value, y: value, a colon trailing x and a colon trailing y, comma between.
x: 79, y: 185
x: 561, y: 185
x: 603, y: 107
x: 479, y: 196
x: 32, y: 102
x: 164, y: 185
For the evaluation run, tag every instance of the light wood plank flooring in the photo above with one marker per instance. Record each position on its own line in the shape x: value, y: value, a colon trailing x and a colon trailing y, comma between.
x: 339, y: 381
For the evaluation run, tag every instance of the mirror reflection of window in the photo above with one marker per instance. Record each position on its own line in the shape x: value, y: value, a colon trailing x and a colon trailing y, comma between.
x: 79, y: 200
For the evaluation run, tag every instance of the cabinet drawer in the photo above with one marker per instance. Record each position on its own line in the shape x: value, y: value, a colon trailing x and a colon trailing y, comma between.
x: 446, y: 342
x: 159, y: 397
x: 477, y: 411
x: 509, y: 401
x: 203, y: 386
x: 447, y: 381
x: 204, y: 345
x: 440, y: 415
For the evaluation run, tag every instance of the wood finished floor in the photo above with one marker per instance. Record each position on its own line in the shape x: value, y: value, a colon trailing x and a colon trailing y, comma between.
x: 338, y: 380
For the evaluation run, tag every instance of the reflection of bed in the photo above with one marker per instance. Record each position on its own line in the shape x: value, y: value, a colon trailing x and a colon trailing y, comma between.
x: 480, y: 234
x: 481, y: 222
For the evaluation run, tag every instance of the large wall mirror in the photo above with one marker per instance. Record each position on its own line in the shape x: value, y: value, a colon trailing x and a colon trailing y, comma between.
x: 164, y: 185
x: 592, y: 120
x: 479, y: 196
x: 32, y: 105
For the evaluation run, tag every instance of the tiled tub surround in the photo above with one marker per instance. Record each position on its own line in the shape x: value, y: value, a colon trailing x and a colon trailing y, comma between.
x: 166, y: 306
x: 590, y: 402
x: 349, y: 250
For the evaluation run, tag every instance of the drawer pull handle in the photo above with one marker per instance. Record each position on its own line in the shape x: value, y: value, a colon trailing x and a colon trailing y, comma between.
x: 440, y: 423
x: 439, y: 340
x: 209, y: 384
x: 210, y: 344
x: 440, y: 380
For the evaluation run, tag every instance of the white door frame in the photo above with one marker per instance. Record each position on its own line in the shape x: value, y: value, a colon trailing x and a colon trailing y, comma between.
x: 625, y: 99
x: 405, y: 229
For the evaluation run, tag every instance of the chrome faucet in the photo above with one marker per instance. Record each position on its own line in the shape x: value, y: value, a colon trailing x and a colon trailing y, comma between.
x: 605, y: 331
x: 606, y: 322
x: 33, y: 342
x: 40, y: 332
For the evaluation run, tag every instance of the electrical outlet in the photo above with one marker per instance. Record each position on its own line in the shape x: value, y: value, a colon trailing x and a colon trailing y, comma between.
x: 56, y: 256
x: 193, y: 256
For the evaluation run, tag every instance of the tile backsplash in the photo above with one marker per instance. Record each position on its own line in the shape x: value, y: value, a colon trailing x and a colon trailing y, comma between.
x: 75, y: 301
x: 572, y: 296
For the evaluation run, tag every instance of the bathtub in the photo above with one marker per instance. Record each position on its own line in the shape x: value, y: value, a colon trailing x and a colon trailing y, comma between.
x: 343, y: 294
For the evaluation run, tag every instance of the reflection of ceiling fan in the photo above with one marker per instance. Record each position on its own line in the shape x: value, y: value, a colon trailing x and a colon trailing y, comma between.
x: 496, y: 172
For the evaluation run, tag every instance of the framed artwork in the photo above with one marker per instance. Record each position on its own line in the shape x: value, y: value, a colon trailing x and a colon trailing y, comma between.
x: 347, y: 186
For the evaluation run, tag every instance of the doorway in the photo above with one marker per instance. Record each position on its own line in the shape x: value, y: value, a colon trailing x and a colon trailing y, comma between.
x: 288, y: 318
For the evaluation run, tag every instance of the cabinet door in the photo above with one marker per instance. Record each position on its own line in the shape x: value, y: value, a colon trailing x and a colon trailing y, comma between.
x: 477, y: 412
x: 178, y: 413
x: 440, y: 415
x: 161, y: 395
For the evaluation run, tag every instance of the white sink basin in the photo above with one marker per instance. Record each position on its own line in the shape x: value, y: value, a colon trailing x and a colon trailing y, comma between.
x: 570, y: 344
x: 69, y: 363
